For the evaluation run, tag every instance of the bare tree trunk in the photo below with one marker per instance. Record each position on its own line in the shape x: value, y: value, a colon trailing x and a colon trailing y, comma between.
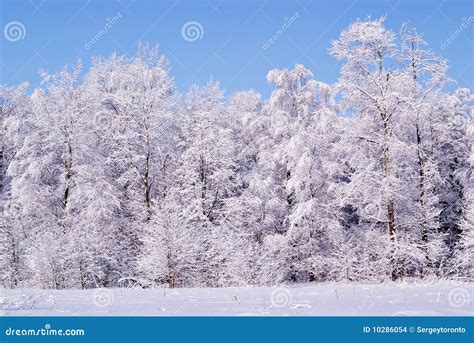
x: 146, y: 186
x: 424, y: 224
x: 15, y: 263
x: 82, y: 273
x: 390, y: 204
x: 386, y: 169
x: 421, y: 165
x: 203, y: 179
x: 68, y: 170
x: 146, y: 175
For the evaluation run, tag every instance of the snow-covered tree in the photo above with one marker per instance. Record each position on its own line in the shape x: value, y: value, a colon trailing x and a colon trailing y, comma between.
x: 133, y: 122
x: 463, y: 263
x: 302, y: 106
x: 246, y: 221
x: 427, y: 73
x: 109, y: 177
x: 371, y: 86
x: 452, y: 147
x: 15, y: 111
x: 47, y: 162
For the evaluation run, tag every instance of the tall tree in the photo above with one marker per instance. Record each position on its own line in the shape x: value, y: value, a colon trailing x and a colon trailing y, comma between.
x: 133, y: 117
x: 370, y: 85
x: 15, y: 116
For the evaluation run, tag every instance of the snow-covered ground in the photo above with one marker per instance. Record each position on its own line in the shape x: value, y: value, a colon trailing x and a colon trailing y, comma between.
x: 327, y: 299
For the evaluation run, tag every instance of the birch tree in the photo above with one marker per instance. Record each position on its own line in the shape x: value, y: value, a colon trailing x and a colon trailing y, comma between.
x: 369, y: 85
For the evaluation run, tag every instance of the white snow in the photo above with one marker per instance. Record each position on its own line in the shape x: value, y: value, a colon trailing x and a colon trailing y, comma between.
x: 326, y: 299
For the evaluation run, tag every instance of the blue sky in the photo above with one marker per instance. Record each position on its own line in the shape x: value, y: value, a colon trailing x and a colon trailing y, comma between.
x: 233, y: 45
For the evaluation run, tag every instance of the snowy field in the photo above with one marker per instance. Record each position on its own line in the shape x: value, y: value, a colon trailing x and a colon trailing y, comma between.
x: 328, y: 299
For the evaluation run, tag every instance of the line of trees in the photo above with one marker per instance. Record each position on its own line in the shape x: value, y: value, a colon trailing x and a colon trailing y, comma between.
x: 112, y: 178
